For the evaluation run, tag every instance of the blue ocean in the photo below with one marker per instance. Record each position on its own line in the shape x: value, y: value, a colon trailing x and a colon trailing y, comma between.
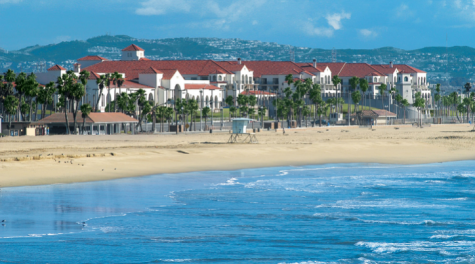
x: 335, y: 213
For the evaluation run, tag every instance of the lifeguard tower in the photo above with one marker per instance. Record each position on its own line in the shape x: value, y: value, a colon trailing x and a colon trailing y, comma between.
x: 240, y: 130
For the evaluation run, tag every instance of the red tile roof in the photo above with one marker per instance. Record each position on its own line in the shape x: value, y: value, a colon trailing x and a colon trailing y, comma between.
x: 132, y: 84
x: 192, y: 86
x: 152, y: 70
x: 92, y: 58
x: 257, y: 93
x: 273, y: 67
x: 132, y: 69
x: 384, y: 69
x: 133, y: 47
x: 56, y: 68
x: 402, y: 67
x: 374, y: 74
x: 232, y: 66
x: 91, y: 118
x: 144, y: 59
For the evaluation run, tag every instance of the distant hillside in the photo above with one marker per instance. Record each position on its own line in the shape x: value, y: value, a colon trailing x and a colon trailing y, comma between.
x: 431, y: 59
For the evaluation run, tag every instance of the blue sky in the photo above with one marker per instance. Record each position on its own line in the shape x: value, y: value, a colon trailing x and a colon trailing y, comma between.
x: 310, y: 23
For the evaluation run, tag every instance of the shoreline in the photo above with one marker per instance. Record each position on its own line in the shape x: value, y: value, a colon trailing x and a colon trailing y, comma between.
x: 99, y: 158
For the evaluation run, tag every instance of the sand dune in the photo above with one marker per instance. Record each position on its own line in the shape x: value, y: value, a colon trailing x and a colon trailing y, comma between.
x: 67, y: 159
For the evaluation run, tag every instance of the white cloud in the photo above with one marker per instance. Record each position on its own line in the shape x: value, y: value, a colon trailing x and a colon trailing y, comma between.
x: 334, y: 20
x: 368, y: 33
x: 334, y: 23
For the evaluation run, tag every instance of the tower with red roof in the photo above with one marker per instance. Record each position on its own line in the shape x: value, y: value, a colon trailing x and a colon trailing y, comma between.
x: 133, y: 53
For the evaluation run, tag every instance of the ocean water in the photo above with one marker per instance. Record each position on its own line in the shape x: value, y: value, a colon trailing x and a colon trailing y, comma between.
x: 336, y: 213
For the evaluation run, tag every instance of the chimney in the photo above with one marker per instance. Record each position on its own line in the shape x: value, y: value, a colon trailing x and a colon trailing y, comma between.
x: 77, y: 67
x: 315, y: 63
x: 239, y: 60
x: 391, y: 64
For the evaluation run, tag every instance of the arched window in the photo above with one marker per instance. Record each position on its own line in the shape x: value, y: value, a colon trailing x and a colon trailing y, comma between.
x: 207, y: 101
x: 406, y: 79
x: 242, y: 78
x: 220, y: 78
x: 150, y: 97
x: 103, y: 103
x: 245, y: 79
x: 250, y: 79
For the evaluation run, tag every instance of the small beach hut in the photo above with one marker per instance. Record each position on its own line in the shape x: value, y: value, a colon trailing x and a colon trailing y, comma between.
x: 239, y: 129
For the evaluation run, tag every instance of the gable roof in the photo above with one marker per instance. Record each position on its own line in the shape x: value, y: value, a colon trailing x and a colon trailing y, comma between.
x: 91, y: 118
x: 92, y: 58
x: 133, y: 47
x: 193, y: 86
x: 56, y: 68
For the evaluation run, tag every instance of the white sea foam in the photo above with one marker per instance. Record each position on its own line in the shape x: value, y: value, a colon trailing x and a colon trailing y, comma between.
x: 455, y: 199
x: 387, y: 203
x: 176, y: 260
x: 232, y: 181
x: 417, y: 246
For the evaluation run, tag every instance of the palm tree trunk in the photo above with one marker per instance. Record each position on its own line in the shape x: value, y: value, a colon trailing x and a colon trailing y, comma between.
x: 66, y: 117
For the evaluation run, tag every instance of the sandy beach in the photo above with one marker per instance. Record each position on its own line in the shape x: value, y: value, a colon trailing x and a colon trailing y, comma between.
x: 68, y: 159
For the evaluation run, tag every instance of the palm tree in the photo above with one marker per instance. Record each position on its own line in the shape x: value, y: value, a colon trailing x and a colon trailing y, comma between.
x: 382, y: 88
x: 117, y: 81
x: 437, y: 97
x: 398, y: 99
x: 169, y: 115
x: 454, y: 98
x: 336, y: 80
x: 419, y: 103
x: 101, y: 82
x: 405, y: 104
x: 322, y: 110
x: 262, y: 112
x: 11, y: 106
x: 364, y: 87
x: 232, y: 111
x: 31, y: 91
x: 316, y: 97
x: 354, y: 81
x: 230, y: 102
x: 205, y: 112
x: 85, y: 111
x: 45, y: 96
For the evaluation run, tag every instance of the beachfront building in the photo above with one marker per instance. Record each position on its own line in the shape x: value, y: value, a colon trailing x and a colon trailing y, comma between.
x: 210, y: 82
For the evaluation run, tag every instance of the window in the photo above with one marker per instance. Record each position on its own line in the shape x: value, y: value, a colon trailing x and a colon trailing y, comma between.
x: 220, y: 78
x: 264, y: 81
x: 275, y: 81
x: 406, y: 79
x: 250, y: 79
